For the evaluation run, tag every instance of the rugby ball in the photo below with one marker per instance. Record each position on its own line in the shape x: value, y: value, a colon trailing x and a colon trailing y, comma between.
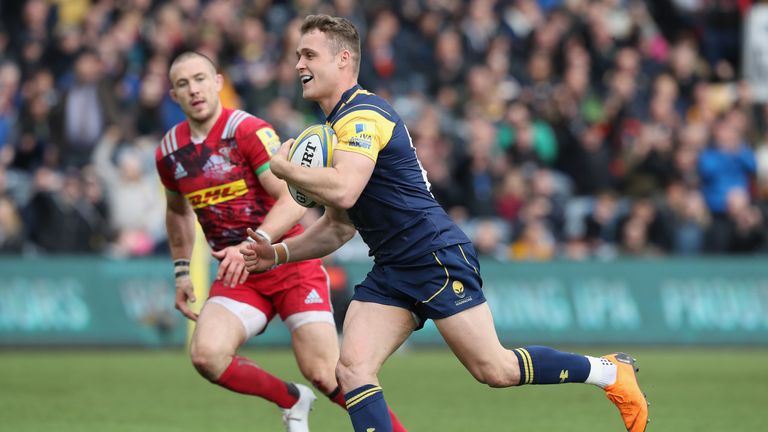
x: 313, y: 148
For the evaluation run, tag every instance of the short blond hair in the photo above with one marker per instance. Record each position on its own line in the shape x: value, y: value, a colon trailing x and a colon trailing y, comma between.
x: 340, y: 31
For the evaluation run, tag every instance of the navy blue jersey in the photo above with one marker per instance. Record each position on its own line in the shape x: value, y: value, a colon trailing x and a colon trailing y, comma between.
x: 396, y: 214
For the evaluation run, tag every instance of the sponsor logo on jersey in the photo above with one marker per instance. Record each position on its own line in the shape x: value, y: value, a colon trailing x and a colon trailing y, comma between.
x: 363, y: 137
x: 313, y: 297
x: 180, y: 171
x: 217, y: 166
x: 270, y: 139
x: 217, y: 194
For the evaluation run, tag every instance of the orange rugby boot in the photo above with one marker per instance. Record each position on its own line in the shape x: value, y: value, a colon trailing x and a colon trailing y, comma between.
x: 625, y: 393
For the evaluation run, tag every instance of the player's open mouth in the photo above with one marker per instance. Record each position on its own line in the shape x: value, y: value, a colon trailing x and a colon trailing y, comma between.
x: 306, y: 78
x: 197, y: 103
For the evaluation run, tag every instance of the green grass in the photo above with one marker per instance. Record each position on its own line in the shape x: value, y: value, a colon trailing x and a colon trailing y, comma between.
x: 144, y: 391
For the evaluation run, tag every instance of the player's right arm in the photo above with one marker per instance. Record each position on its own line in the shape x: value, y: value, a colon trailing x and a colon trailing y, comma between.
x: 329, y: 233
x: 180, y: 223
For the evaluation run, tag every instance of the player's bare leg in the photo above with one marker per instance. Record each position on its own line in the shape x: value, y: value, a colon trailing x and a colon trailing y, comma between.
x: 372, y: 332
x: 472, y: 337
x: 315, y: 346
x: 218, y: 335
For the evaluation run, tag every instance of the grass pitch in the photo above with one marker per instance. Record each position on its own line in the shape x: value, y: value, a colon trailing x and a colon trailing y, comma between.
x: 702, y: 389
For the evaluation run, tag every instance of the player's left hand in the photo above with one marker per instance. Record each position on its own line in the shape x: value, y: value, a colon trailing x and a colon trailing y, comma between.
x: 279, y: 162
x: 259, y: 255
x: 231, y: 266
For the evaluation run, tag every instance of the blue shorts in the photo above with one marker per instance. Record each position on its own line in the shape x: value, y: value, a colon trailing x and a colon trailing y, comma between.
x: 437, y: 285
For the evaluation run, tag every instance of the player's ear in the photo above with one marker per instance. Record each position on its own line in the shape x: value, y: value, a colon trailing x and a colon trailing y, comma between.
x: 172, y: 94
x: 219, y: 82
x: 344, y: 59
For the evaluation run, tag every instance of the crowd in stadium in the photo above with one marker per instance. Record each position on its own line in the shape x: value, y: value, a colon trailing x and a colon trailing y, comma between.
x: 548, y: 128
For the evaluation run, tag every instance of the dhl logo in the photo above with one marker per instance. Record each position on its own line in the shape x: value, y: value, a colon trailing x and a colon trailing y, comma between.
x: 217, y: 194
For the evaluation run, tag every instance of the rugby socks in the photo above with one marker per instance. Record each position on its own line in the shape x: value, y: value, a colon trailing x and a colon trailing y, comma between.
x: 337, y: 397
x: 368, y: 410
x: 244, y: 376
x: 545, y: 365
x: 602, y: 373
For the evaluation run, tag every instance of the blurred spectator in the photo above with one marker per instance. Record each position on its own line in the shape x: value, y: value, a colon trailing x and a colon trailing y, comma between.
x: 477, y: 174
x: 64, y: 220
x: 726, y: 165
x: 489, y: 239
x: 86, y: 109
x: 512, y: 195
x: 9, y: 87
x: 134, y: 196
x: 386, y: 66
x: 648, y: 233
x: 11, y: 228
x: 602, y: 224
x: 746, y: 224
x: 527, y: 141
x: 535, y: 243
x: 685, y: 218
x: 634, y: 240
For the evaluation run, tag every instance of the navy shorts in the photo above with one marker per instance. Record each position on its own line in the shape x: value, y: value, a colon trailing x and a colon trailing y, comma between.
x: 437, y: 285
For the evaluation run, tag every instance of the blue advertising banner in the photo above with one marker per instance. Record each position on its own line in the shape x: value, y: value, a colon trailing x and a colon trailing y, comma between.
x: 89, y: 301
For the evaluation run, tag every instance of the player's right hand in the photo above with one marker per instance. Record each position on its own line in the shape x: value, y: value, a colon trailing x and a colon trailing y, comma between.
x: 185, y: 293
x: 231, y: 266
x: 259, y: 255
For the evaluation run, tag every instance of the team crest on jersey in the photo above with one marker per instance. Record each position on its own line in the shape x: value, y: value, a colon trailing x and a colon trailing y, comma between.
x: 363, y: 137
x: 217, y: 166
x: 225, y: 153
x: 269, y: 139
x: 458, y: 289
x: 179, y: 172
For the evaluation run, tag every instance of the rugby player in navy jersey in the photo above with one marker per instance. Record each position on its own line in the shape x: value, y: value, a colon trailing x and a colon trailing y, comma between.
x: 424, y: 265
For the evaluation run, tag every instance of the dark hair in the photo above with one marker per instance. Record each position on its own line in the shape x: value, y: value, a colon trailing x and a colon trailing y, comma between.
x: 340, y: 31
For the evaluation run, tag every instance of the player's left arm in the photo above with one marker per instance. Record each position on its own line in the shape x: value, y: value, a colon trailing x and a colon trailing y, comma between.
x: 337, y: 186
x: 361, y: 136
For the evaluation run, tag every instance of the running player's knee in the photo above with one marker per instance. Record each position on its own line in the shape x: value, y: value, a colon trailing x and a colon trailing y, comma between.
x: 322, y: 377
x: 209, y: 362
x: 493, y: 375
x: 349, y: 371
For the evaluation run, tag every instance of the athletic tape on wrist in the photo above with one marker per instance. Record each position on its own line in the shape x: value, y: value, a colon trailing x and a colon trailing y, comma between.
x: 263, y: 234
x: 287, y: 252
x: 274, y: 249
x: 181, y: 263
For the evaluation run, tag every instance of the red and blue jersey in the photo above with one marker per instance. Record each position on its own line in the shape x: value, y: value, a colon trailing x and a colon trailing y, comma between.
x: 219, y: 176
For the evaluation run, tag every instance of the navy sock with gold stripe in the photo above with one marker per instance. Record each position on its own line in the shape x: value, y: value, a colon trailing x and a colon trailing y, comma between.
x: 545, y: 365
x: 368, y: 410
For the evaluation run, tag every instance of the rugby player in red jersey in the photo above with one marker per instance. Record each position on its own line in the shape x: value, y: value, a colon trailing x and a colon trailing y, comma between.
x: 216, y: 165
